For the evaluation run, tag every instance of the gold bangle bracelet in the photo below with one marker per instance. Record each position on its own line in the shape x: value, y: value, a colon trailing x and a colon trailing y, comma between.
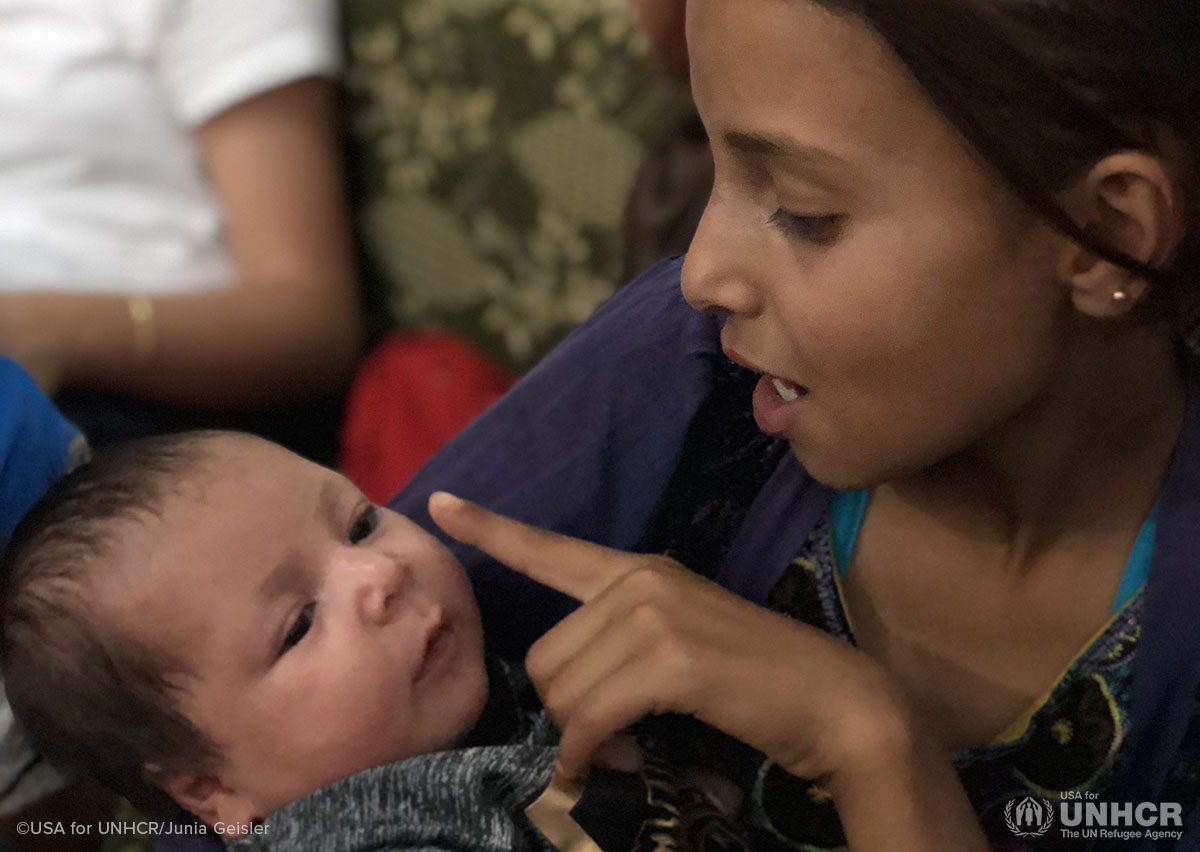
x: 145, y: 329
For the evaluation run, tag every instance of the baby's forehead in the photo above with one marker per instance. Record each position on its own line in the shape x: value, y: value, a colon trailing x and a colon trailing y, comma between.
x: 232, y: 458
x: 238, y: 486
x: 159, y: 566
x: 230, y: 447
x: 187, y: 497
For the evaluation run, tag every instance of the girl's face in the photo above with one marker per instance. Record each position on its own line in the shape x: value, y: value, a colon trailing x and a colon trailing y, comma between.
x: 861, y: 252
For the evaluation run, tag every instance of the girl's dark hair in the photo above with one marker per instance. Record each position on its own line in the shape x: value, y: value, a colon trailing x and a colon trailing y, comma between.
x: 90, y: 697
x: 1045, y: 89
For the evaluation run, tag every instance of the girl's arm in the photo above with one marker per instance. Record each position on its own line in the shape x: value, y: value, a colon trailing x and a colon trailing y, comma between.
x: 289, y: 326
x: 904, y: 795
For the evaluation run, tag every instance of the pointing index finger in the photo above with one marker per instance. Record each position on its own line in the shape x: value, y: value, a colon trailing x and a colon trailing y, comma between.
x: 575, y: 567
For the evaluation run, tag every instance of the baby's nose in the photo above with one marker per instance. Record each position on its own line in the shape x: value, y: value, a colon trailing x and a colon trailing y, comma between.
x: 382, y: 584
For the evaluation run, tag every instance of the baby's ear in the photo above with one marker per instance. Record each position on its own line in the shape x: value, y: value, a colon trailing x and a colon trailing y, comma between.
x: 204, y: 795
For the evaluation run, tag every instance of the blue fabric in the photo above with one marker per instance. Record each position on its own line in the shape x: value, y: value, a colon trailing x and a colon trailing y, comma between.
x: 846, y: 512
x: 35, y: 445
x: 1137, y: 567
x: 1166, y: 737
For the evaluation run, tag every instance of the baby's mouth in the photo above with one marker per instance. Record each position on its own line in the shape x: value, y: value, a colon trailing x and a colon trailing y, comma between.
x: 436, y: 643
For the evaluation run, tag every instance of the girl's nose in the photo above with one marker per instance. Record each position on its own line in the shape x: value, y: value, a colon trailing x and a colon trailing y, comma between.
x: 718, y: 273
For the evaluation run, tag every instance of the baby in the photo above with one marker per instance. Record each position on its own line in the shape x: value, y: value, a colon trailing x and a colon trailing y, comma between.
x: 209, y: 620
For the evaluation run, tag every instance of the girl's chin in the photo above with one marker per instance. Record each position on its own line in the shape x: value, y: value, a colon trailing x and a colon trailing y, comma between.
x: 834, y: 473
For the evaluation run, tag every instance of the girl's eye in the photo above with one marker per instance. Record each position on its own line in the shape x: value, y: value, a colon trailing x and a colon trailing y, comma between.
x: 299, y: 628
x: 814, y: 229
x: 364, y: 524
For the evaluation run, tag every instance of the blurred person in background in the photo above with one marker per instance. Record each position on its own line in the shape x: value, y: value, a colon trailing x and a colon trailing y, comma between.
x: 676, y: 180
x: 663, y: 22
x: 174, y: 245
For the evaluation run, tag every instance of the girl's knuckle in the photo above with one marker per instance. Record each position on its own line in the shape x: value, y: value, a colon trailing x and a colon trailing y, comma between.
x: 679, y: 658
x: 649, y: 618
x: 651, y: 577
x: 538, y: 664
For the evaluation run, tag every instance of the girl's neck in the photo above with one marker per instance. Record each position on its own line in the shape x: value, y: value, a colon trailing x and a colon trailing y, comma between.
x: 1090, y: 453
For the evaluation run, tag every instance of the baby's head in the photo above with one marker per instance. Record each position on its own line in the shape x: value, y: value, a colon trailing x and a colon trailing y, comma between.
x: 210, y: 618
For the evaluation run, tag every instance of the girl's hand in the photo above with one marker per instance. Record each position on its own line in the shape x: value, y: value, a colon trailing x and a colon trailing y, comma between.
x: 652, y: 637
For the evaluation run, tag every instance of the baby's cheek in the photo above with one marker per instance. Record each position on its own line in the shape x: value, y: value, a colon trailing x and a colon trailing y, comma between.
x: 357, y: 735
x: 345, y: 705
x: 470, y: 696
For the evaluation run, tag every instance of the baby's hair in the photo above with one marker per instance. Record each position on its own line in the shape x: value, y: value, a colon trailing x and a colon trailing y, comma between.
x: 1043, y: 91
x: 90, y: 698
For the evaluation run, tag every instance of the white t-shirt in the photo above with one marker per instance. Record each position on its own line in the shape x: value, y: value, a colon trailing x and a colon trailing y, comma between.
x: 101, y: 185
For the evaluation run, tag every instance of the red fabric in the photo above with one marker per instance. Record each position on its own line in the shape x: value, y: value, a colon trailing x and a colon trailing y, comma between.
x: 410, y: 396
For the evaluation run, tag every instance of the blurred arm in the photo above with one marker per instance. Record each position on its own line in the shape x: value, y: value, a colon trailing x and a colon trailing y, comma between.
x: 289, y: 327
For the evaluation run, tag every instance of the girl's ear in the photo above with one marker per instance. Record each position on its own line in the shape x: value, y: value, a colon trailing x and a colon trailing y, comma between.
x: 1127, y: 201
x: 205, y: 796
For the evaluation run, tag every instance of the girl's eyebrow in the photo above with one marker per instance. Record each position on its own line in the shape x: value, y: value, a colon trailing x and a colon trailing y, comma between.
x: 816, y: 165
x: 782, y: 146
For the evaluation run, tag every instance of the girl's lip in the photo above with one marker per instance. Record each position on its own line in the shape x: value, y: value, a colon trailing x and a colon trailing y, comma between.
x: 737, y: 358
x: 772, y: 413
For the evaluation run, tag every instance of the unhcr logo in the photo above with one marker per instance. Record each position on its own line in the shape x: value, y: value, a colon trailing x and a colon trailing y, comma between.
x: 1081, y: 815
x: 1029, y: 817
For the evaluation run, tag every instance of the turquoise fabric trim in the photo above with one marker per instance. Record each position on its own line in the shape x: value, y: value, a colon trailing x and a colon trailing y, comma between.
x: 1137, y: 566
x: 847, y: 509
x: 846, y: 512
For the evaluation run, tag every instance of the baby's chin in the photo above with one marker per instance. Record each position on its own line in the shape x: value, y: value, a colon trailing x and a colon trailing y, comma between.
x: 470, y: 700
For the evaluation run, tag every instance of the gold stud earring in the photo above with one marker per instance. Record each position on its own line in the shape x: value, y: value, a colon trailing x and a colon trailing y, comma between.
x: 1120, y: 297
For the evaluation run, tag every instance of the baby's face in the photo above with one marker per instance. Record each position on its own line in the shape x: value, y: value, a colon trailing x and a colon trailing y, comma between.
x: 327, y: 635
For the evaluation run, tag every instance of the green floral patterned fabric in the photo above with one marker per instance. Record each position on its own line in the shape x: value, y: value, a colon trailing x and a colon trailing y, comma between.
x: 497, y: 144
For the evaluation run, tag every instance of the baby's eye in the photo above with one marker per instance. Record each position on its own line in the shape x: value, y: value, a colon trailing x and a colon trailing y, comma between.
x: 299, y: 628
x: 364, y: 524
